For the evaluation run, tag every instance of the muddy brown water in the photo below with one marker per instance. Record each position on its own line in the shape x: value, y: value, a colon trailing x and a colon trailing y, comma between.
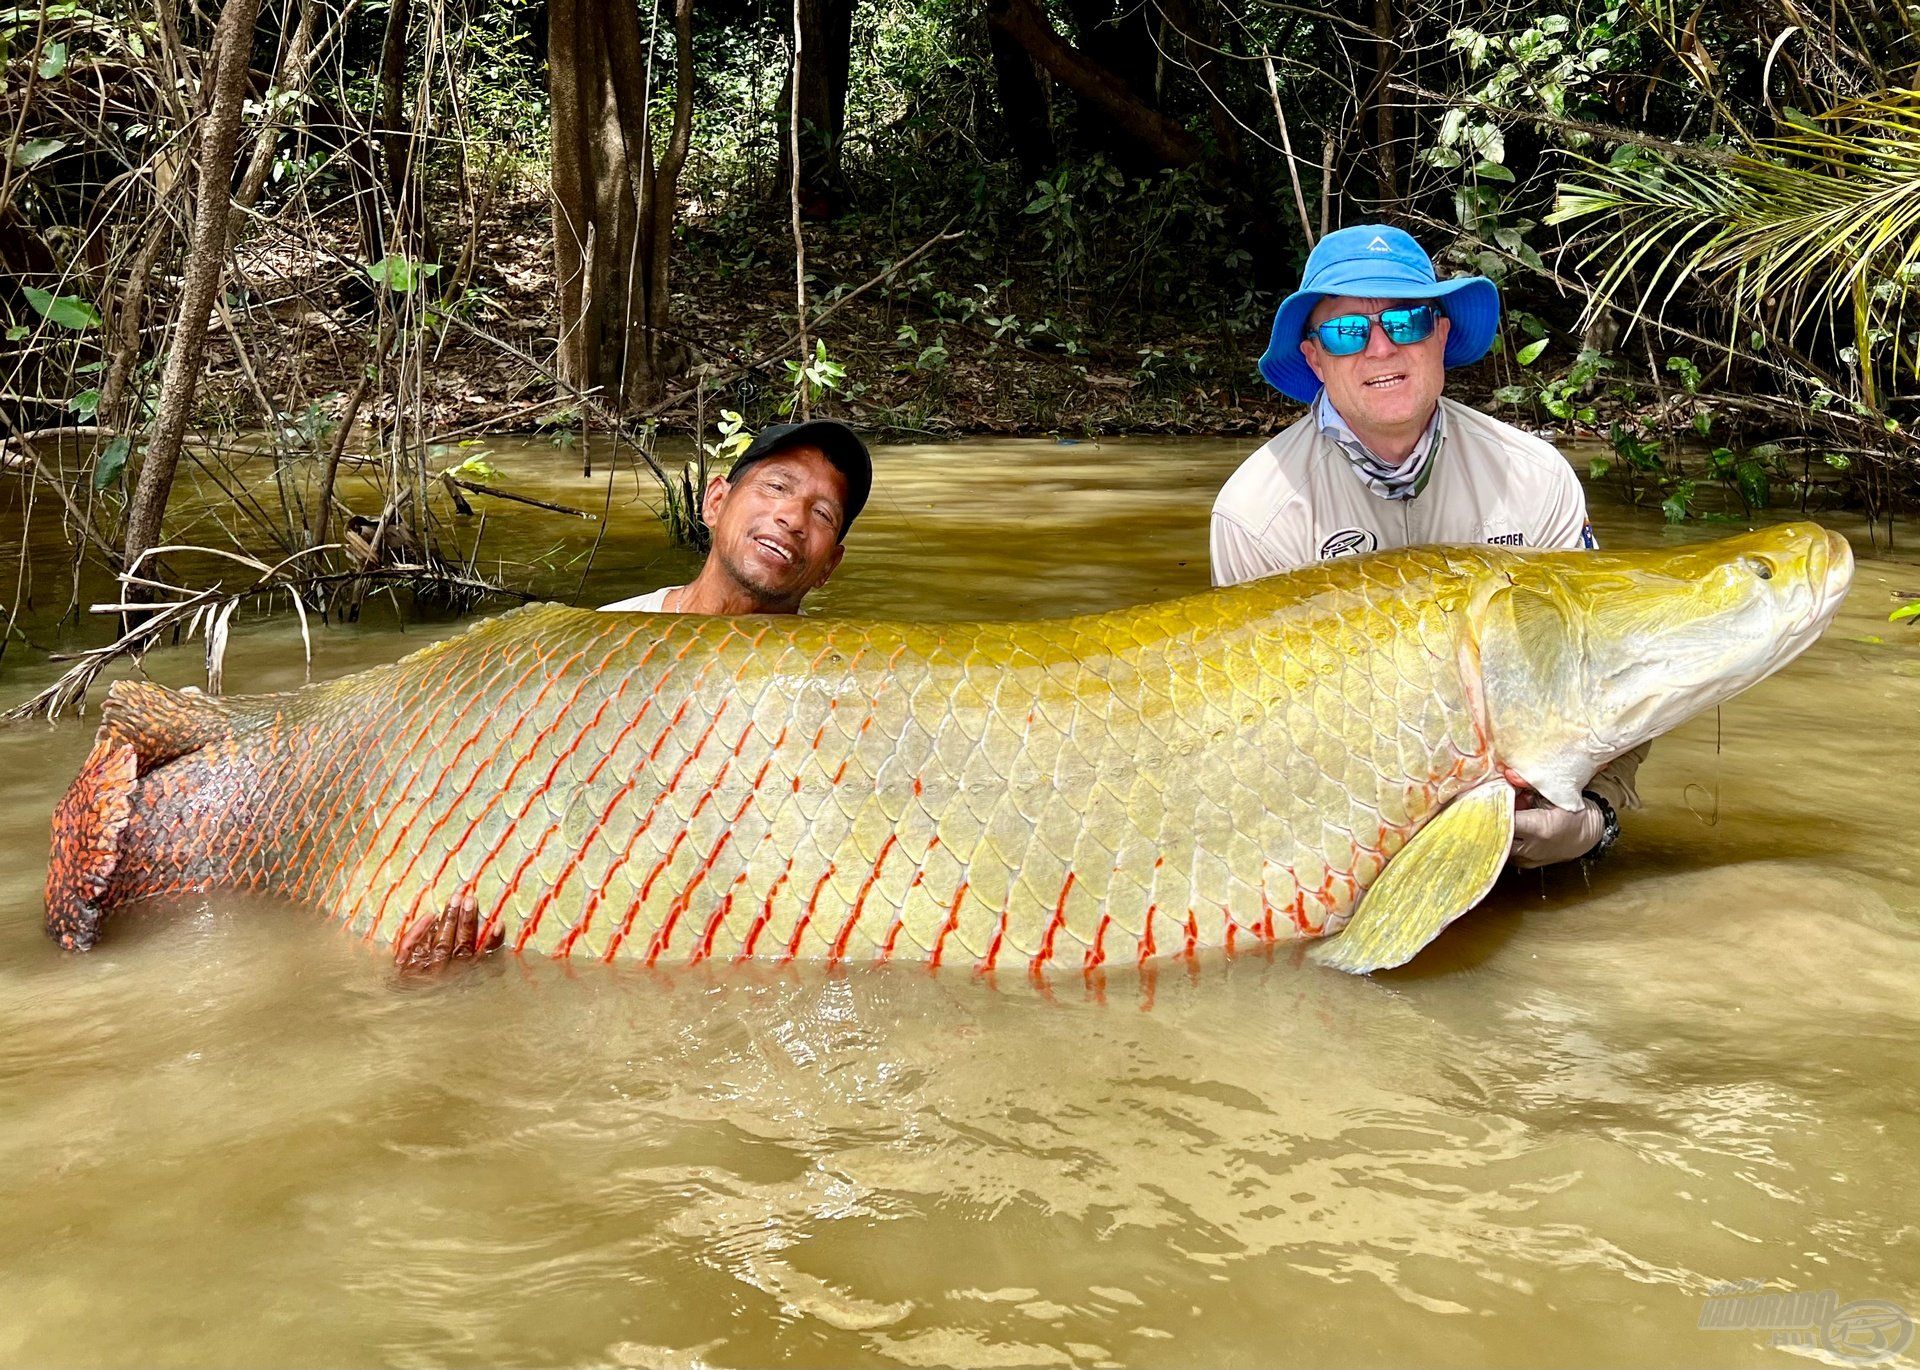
x: 228, y: 1137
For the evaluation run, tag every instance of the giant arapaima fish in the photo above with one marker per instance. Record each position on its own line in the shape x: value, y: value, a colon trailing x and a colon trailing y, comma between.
x: 1328, y: 754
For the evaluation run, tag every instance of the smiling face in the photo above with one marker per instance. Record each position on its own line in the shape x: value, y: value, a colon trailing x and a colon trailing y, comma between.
x: 776, y: 530
x: 1385, y: 392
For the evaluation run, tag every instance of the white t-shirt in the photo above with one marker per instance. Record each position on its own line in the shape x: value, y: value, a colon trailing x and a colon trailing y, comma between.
x: 1298, y: 500
x: 653, y: 602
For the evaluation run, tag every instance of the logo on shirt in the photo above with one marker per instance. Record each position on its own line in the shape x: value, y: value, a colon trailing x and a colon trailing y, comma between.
x: 1507, y: 540
x: 1348, y: 542
x: 1587, y: 539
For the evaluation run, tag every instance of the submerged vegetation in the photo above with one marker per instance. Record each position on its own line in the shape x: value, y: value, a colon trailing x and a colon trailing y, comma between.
x: 344, y: 237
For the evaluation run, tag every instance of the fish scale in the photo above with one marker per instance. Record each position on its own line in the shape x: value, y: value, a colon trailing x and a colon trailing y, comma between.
x: 1230, y: 766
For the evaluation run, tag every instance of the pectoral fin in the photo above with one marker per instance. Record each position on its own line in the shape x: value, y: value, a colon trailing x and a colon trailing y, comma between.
x: 1447, y: 869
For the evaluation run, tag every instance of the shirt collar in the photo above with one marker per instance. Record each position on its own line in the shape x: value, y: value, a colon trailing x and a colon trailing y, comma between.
x: 1390, y: 480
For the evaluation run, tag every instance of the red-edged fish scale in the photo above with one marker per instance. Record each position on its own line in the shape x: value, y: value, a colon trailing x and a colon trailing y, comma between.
x: 1220, y: 770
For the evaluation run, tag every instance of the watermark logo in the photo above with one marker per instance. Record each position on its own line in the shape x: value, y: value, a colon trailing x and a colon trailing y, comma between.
x: 1864, y: 1331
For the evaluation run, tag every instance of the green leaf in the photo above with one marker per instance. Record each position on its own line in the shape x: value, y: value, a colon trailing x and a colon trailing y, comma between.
x: 1905, y: 611
x: 86, y: 404
x: 69, y: 311
x: 400, y: 274
x: 1750, y: 478
x: 1703, y: 422
x: 111, y: 463
x: 1599, y: 469
x: 1839, y: 461
x: 1676, y: 506
x: 1527, y: 355
x: 53, y: 62
x: 1491, y: 171
x: 17, y: 332
x: 1689, y: 373
x: 475, y: 467
x: 36, y: 150
x: 1512, y: 394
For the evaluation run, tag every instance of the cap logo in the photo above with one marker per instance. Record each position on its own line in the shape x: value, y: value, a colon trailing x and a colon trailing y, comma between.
x: 1378, y: 244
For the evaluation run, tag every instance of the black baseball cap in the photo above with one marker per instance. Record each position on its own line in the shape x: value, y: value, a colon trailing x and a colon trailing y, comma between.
x: 842, y: 447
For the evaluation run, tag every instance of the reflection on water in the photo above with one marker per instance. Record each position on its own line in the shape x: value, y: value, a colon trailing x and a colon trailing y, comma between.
x: 228, y: 1137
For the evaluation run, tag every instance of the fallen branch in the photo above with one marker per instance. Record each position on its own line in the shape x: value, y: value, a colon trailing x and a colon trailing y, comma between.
x: 480, y: 489
x: 22, y: 460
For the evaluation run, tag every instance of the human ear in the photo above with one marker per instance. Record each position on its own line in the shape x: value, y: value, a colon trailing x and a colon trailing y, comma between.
x: 833, y: 563
x: 1312, y: 354
x: 714, y: 497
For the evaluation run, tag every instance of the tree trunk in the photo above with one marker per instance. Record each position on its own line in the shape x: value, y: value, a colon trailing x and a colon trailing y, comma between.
x: 292, y: 78
x: 1385, y: 158
x: 572, y: 170
x: 123, y: 323
x: 1024, y: 105
x: 400, y: 146
x: 826, y: 33
x: 1119, y: 37
x: 1200, y: 47
x: 613, y: 208
x: 215, y: 155
x: 1150, y: 132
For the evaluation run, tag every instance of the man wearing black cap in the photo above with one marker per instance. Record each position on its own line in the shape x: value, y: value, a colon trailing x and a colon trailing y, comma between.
x: 779, y: 521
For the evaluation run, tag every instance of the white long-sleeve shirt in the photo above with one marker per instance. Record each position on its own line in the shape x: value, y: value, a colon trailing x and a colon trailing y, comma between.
x: 1298, y: 500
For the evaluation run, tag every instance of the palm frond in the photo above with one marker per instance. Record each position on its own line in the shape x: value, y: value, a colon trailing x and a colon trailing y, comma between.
x: 1790, y: 232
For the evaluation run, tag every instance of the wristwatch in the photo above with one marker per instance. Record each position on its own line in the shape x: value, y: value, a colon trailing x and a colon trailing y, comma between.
x: 1609, y: 834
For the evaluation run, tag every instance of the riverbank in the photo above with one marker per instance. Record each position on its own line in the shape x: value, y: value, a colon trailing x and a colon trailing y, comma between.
x: 960, y: 342
x: 970, y: 339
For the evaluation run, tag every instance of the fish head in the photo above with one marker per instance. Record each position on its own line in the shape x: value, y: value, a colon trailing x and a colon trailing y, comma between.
x: 1585, y: 655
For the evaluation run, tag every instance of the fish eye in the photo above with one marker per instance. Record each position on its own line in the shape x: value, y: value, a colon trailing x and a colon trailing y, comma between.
x: 1760, y: 566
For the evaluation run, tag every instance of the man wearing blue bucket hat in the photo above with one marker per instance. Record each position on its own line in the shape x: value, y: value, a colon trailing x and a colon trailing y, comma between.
x: 1382, y: 459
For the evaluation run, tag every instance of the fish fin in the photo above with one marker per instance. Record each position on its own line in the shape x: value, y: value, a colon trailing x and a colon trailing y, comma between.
x: 87, y: 825
x: 1445, y: 870
x: 162, y: 725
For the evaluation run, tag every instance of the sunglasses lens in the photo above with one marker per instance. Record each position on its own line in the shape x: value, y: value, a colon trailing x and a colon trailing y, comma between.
x: 1345, y: 335
x: 1405, y: 326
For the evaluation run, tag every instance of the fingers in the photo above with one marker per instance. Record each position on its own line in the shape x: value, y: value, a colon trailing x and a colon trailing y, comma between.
x: 446, y: 930
x: 1545, y: 836
x: 453, y: 934
x: 466, y: 917
x: 408, y: 951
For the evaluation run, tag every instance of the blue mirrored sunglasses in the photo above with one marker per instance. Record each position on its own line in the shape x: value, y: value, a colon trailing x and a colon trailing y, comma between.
x: 1403, y: 325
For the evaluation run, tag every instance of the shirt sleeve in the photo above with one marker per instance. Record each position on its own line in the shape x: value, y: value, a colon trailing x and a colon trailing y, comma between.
x: 652, y: 602
x: 1236, y: 555
x: 1614, y: 782
x: 1563, y: 523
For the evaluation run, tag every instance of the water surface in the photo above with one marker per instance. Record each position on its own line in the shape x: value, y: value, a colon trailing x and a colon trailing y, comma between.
x: 228, y: 1137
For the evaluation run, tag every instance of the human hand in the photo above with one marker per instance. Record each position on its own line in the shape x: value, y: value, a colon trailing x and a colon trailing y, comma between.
x: 434, y: 943
x: 1546, y: 836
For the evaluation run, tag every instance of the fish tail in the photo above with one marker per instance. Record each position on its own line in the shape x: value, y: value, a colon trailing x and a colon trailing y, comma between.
x: 142, y: 727
x: 87, y: 826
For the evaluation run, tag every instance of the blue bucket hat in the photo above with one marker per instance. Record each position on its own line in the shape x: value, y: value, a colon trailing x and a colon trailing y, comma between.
x: 1374, y: 262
